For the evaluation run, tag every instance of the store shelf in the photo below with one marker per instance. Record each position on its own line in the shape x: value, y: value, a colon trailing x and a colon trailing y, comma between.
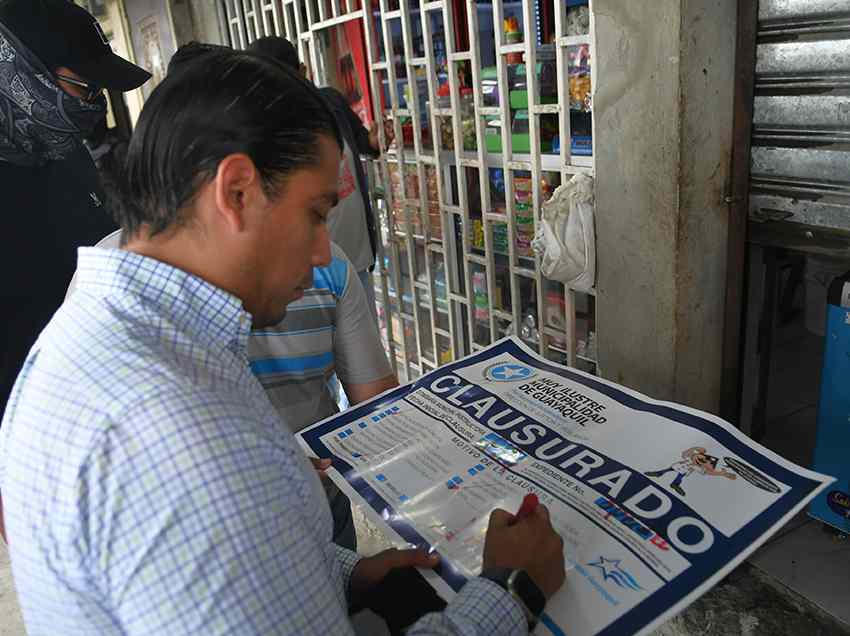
x: 556, y: 348
x: 574, y: 40
x: 424, y: 302
x: 517, y: 161
x: 501, y: 259
x: 422, y: 273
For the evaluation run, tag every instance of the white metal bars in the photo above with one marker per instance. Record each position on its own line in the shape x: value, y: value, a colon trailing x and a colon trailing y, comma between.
x: 435, y: 307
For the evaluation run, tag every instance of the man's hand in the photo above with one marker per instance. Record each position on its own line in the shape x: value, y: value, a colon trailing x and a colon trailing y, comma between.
x: 321, y: 465
x: 371, y: 570
x: 529, y: 544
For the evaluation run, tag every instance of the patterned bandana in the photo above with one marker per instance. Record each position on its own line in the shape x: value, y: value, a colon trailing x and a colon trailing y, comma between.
x: 39, y: 122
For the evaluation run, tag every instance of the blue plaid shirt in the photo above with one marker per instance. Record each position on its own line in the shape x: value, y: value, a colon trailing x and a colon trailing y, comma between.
x: 149, y: 487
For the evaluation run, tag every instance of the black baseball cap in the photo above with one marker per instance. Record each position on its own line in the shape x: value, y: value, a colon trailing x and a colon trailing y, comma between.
x: 60, y: 33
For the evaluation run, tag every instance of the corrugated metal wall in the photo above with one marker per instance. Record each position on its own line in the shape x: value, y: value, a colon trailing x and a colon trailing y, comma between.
x: 800, y: 171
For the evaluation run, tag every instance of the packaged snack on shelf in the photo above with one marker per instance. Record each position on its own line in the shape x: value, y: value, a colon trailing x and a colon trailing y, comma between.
x: 578, y: 62
x: 497, y: 189
x: 415, y: 216
x: 523, y: 191
x: 524, y: 236
x: 411, y: 181
x: 431, y: 184
x: 578, y: 18
x: 445, y: 354
x: 479, y: 289
x: 435, y: 225
x: 513, y: 35
x: 446, y: 133
x: 395, y: 185
x: 548, y: 182
x: 555, y: 316
x: 490, y: 86
x: 498, y: 291
x: 477, y: 234
x: 467, y: 121
x: 399, y: 220
x: 500, y: 238
x: 523, y: 215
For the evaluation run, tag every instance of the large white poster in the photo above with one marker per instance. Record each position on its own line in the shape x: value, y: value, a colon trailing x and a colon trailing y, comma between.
x: 656, y: 502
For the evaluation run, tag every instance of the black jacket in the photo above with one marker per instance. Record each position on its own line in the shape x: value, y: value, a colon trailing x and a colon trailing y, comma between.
x: 357, y: 137
x: 45, y: 214
x: 48, y: 212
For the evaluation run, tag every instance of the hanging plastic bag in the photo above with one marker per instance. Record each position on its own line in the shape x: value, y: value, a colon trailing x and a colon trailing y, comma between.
x: 565, y: 239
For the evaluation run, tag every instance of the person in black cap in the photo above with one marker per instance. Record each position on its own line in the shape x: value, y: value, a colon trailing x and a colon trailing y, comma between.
x: 352, y: 225
x: 55, y: 62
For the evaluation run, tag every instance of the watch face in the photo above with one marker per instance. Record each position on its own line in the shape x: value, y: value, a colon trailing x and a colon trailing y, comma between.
x: 528, y: 591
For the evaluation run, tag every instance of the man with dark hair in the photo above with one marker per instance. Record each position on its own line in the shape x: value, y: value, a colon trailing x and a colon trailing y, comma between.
x: 352, y: 225
x: 301, y: 369
x: 149, y: 486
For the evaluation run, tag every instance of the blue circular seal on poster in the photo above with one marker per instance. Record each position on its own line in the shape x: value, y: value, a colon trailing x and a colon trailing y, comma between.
x: 508, y: 372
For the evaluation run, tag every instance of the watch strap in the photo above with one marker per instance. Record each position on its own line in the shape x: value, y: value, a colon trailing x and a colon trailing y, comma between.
x: 521, y: 587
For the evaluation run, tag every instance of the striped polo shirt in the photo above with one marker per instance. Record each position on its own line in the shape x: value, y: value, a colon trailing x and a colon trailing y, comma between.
x: 329, y: 329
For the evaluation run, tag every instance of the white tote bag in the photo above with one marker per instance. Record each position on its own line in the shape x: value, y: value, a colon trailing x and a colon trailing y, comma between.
x: 565, y: 239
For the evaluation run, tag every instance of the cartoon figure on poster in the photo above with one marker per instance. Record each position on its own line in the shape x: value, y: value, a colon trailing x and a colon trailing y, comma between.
x: 695, y: 459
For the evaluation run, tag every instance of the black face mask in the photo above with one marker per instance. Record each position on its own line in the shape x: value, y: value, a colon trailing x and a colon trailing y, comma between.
x: 39, y: 122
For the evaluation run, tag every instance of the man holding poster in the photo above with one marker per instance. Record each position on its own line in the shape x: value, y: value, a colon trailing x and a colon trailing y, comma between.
x: 148, y: 483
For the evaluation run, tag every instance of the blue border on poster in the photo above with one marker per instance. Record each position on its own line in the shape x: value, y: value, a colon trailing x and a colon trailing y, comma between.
x: 666, y: 597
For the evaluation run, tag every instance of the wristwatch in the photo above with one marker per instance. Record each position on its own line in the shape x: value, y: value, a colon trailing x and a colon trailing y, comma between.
x: 519, y: 585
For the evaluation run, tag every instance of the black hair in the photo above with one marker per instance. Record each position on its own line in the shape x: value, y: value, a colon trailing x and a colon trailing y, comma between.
x: 192, y: 51
x: 710, y: 458
x: 220, y: 103
x: 277, y: 48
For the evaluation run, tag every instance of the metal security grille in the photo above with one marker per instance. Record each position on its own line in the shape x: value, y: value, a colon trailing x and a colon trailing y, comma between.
x: 801, y: 125
x: 490, y: 109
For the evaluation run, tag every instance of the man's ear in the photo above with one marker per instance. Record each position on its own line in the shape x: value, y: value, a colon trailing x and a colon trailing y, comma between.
x: 237, y: 190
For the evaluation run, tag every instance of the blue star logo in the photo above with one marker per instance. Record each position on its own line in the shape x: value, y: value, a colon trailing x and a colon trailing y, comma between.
x: 613, y: 571
x: 509, y: 372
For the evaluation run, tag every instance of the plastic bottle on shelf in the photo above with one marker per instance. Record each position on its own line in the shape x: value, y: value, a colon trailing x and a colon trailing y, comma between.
x: 528, y: 329
x: 591, y: 345
x: 479, y: 289
x: 481, y: 312
x: 505, y: 328
x: 581, y: 348
x: 467, y: 119
x: 513, y: 35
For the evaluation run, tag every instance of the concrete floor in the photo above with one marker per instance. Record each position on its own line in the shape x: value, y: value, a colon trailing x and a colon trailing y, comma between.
x: 806, y: 557
x: 11, y: 623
